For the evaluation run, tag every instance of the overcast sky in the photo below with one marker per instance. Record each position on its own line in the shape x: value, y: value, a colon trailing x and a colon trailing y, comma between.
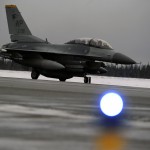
x: 125, y: 24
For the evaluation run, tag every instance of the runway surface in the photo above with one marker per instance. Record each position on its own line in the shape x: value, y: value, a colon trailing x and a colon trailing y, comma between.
x: 43, y: 115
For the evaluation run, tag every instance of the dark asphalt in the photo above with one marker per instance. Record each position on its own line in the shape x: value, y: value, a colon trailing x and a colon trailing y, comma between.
x: 43, y: 115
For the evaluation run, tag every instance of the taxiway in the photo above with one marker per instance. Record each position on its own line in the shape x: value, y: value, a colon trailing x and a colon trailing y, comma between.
x: 55, y: 115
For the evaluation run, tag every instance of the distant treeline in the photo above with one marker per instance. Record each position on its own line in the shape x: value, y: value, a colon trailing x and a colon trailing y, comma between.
x: 132, y: 71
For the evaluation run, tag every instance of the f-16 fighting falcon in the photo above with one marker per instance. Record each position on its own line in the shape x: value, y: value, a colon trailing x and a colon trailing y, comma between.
x: 77, y: 58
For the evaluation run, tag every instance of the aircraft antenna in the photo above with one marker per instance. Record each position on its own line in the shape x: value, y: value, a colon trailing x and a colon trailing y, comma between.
x: 46, y: 40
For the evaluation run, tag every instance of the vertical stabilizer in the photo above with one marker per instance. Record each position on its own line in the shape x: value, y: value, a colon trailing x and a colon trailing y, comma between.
x: 16, y: 23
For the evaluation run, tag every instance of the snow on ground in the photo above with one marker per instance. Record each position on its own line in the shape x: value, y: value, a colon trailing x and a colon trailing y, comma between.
x: 133, y: 82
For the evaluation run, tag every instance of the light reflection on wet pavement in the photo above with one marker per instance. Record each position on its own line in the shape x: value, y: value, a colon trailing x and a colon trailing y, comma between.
x: 47, y: 120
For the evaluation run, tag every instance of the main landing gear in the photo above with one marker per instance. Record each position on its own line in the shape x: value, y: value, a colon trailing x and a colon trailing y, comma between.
x: 87, y: 80
x: 35, y: 74
x: 62, y: 79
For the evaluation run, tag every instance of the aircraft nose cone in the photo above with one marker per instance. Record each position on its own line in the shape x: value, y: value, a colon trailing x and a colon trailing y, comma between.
x: 122, y: 59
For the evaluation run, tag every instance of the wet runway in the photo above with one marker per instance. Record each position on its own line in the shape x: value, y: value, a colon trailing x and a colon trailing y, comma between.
x: 43, y: 115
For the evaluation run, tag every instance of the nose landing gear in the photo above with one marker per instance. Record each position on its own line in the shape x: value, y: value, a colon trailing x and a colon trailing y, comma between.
x: 87, y: 80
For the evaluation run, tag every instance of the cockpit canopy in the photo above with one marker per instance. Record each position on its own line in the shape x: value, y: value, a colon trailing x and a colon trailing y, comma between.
x: 93, y: 42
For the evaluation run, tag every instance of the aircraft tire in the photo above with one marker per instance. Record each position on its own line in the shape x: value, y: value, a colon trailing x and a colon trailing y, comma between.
x: 34, y: 74
x: 87, y: 80
x: 62, y: 79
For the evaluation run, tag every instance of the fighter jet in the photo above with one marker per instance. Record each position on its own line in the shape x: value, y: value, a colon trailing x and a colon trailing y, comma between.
x: 77, y: 58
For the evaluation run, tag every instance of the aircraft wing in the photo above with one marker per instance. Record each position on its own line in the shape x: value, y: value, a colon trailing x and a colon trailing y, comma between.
x: 34, y: 60
x: 87, y: 55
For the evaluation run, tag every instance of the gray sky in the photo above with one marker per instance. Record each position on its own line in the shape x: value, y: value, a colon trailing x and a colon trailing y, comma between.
x: 125, y: 24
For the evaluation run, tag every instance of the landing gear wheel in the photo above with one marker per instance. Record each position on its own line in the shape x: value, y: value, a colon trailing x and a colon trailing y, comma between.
x: 34, y: 74
x: 87, y: 80
x: 62, y: 79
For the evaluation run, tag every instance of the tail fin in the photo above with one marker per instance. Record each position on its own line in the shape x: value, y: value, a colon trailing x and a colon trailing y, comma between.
x: 16, y: 23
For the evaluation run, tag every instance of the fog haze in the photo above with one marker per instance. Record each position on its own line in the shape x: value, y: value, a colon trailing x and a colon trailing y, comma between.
x: 123, y: 23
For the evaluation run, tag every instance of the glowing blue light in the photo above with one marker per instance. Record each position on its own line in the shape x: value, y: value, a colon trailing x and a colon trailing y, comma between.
x: 111, y: 104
